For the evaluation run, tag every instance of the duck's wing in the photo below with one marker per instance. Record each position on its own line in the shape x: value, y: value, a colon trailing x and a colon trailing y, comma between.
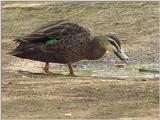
x: 71, y: 39
x: 68, y: 50
x: 57, y: 30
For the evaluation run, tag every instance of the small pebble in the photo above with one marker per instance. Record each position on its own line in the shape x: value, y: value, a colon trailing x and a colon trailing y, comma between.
x: 58, y: 107
x: 68, y: 114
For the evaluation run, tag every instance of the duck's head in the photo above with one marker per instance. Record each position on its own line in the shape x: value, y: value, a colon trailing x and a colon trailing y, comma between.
x: 113, y: 44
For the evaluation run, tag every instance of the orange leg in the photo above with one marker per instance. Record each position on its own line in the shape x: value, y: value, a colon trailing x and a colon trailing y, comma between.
x: 46, y: 68
x: 71, y: 73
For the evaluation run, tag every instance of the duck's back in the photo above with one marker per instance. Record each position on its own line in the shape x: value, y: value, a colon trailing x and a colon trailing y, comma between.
x: 60, y: 42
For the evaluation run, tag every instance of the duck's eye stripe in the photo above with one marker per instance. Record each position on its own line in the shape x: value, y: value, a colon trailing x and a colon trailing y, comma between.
x: 116, y: 40
x: 114, y: 43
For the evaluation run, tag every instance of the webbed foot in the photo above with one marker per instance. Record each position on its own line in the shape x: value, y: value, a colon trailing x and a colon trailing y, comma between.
x: 72, y: 75
x: 47, y: 72
x: 46, y: 69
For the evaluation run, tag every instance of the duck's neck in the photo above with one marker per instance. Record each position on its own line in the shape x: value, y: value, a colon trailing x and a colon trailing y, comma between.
x: 96, y: 50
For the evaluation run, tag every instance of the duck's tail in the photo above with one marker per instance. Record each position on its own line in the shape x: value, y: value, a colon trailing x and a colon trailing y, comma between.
x: 21, y: 48
x: 14, y: 53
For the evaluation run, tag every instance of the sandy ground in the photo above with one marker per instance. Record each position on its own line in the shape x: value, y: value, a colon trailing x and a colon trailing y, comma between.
x: 29, y: 94
x: 38, y: 96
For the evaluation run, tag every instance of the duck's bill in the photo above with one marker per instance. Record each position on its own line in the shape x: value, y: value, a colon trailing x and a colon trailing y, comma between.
x: 121, y: 55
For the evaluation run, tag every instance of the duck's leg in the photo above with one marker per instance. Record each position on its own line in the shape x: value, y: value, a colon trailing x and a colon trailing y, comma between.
x: 46, y: 68
x: 71, y: 73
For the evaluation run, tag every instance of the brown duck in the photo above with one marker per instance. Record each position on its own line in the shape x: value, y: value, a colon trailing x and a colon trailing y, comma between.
x: 65, y: 42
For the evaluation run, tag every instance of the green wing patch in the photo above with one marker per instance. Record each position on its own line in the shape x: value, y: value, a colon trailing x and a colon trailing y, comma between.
x: 53, y: 40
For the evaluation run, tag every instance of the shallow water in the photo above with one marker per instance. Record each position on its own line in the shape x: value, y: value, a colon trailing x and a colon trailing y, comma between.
x: 101, y: 70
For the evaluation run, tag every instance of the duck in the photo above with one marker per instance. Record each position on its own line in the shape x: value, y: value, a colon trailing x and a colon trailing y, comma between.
x: 66, y: 42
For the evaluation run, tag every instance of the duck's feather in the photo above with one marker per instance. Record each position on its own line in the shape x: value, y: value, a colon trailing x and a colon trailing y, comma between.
x: 60, y: 29
x: 71, y: 46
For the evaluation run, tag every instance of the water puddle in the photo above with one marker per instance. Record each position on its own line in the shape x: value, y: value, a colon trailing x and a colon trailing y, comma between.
x: 138, y: 72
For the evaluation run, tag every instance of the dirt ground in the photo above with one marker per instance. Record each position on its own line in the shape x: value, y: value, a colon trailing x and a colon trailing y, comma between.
x: 38, y: 96
x: 27, y: 93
